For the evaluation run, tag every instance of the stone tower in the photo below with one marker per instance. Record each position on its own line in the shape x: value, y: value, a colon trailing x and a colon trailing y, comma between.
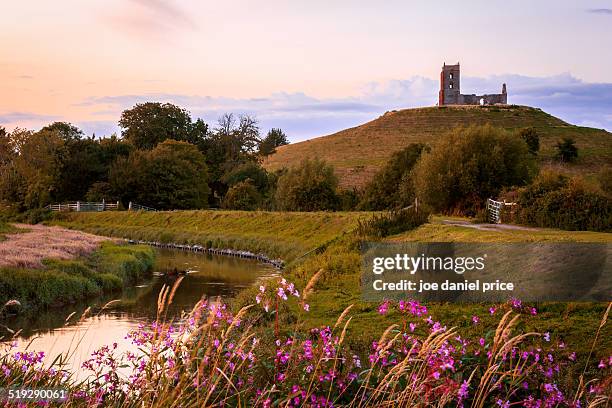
x: 450, y: 89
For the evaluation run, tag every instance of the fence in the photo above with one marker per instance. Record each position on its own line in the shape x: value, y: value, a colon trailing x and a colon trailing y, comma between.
x: 83, y: 206
x: 86, y: 206
x: 497, y: 209
x: 137, y: 207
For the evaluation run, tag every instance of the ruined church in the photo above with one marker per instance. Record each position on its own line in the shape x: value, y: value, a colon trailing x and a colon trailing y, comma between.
x: 450, y: 91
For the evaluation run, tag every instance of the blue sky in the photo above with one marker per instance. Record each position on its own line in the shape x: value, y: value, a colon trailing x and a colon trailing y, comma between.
x: 308, y: 67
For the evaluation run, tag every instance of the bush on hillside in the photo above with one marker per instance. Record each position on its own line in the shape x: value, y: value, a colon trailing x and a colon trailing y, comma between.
x: 384, y: 191
x: 311, y: 186
x: 532, y: 138
x: 393, y: 222
x: 469, y: 165
x: 567, y: 151
x: 242, y: 196
x: 557, y: 201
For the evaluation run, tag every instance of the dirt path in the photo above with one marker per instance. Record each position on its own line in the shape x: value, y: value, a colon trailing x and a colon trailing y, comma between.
x: 489, y: 227
x: 28, y: 249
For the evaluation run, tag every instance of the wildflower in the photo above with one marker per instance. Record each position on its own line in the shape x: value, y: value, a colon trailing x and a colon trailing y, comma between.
x: 503, y: 404
x: 547, y: 336
x: 475, y: 319
x: 306, y: 307
x: 492, y: 310
x: 383, y: 308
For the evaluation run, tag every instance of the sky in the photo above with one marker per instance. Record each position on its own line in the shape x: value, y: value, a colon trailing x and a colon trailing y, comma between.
x: 310, y: 67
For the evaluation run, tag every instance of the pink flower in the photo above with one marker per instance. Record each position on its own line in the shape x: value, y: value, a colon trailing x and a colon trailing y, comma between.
x: 492, y: 310
x: 475, y: 319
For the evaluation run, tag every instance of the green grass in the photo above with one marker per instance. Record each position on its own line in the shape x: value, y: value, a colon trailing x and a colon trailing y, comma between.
x: 357, y: 153
x: 286, y: 235
x: 289, y: 234
x: 63, y: 282
x: 6, y: 229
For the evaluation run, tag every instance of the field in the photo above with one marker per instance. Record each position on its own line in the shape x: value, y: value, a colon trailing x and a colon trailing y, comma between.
x: 43, y: 266
x: 29, y: 245
x: 357, y: 153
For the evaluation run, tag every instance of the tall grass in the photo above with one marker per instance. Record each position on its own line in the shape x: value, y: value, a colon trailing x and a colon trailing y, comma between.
x: 216, y: 357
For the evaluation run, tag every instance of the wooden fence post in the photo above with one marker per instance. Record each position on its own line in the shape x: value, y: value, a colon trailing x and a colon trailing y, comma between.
x: 78, y: 206
x: 130, y: 206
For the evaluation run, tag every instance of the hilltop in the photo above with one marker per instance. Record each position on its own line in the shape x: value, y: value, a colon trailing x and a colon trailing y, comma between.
x: 358, y: 152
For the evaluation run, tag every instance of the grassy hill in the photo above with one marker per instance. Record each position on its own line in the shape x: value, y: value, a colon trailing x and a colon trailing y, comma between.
x: 357, y: 153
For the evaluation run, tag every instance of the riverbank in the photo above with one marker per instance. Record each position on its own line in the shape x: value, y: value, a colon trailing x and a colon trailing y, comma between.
x: 44, y: 267
x: 278, y: 235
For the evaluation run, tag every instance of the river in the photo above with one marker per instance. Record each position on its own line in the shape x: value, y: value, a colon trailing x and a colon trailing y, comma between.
x: 209, y: 275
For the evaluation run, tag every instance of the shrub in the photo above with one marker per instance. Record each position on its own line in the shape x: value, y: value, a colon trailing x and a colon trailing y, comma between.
x: 469, y: 165
x: 566, y: 150
x: 311, y: 186
x: 393, y: 222
x: 242, y: 196
x: 557, y: 201
x: 384, y: 191
x: 532, y: 138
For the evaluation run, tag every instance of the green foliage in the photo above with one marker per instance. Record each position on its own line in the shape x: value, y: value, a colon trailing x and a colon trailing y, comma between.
x: 242, y: 196
x: 311, y: 186
x: 557, y: 201
x: 274, y: 139
x: 248, y: 170
x: 349, y: 199
x: 469, y: 165
x: 67, y: 281
x: 171, y: 176
x: 532, y: 138
x: 148, y: 124
x: 392, y: 186
x: 393, y: 222
x: 567, y: 151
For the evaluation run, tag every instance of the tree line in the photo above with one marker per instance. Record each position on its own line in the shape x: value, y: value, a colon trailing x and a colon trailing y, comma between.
x: 162, y: 159
x: 166, y: 160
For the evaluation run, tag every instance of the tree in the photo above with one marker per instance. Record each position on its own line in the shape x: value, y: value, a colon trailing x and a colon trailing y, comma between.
x: 566, y: 150
x: 532, y: 138
x: 274, y: 139
x: 242, y: 196
x: 67, y: 131
x: 392, y: 187
x: 231, y: 144
x: 311, y: 186
x: 469, y: 165
x: 84, y: 162
x: 148, y: 124
x: 36, y: 167
x: 171, y: 176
